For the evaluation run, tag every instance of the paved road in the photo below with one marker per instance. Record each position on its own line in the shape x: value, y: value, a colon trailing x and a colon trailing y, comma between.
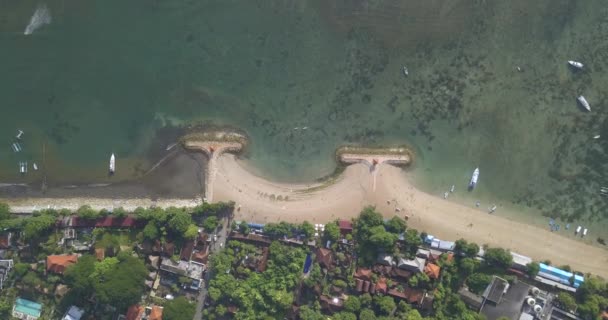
x: 215, y: 246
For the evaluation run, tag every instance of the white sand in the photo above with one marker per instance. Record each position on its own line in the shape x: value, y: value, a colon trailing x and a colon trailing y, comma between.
x: 347, y: 195
x: 353, y: 190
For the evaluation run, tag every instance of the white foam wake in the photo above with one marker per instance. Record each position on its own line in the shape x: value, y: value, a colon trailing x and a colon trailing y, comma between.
x: 41, y: 17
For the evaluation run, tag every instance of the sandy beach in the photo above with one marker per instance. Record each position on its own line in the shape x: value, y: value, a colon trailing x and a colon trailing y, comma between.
x: 263, y: 201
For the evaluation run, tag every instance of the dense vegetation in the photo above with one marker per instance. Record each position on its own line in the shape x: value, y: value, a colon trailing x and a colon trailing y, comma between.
x: 265, y: 295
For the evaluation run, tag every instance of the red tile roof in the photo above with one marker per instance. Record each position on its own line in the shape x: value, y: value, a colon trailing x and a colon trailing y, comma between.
x: 359, y: 285
x: 366, y: 285
x: 412, y: 296
x: 200, y: 256
x: 345, y: 225
x: 5, y: 241
x: 134, y: 312
x: 187, y: 250
x: 381, y: 286
x: 156, y: 314
x: 324, y: 257
x: 432, y: 270
x: 100, y: 253
x: 58, y: 264
x: 107, y: 222
x: 363, y: 274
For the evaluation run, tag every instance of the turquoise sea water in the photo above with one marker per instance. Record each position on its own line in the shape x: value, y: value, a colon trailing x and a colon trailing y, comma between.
x: 104, y: 76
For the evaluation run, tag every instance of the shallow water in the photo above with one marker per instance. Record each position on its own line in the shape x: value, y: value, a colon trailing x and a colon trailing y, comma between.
x: 105, y: 75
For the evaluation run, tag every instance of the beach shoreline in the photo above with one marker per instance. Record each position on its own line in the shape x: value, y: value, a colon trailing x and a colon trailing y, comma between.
x: 343, y: 196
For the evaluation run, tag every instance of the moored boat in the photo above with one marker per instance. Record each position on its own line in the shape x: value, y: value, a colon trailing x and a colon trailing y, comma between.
x: 575, y: 64
x: 19, y: 134
x: 112, y: 164
x: 584, y: 103
x: 474, y: 179
x: 35, y: 166
x: 23, y: 167
x: 16, y: 147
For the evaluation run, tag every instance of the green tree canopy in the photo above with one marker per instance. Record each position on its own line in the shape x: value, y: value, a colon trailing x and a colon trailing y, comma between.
x: 566, y: 301
x: 367, y: 314
x: 384, y: 304
x: 278, y: 230
x: 308, y: 313
x: 123, y: 285
x: 332, y: 232
x: 5, y: 211
x: 477, y: 282
x: 462, y: 247
x: 307, y: 229
x: 179, y: 222
x: 178, y: 309
x: 352, y: 304
x: 381, y: 239
x: 86, y: 212
x: 151, y: 232
x: 498, y: 257
x: 396, y: 225
x: 532, y: 269
x: 78, y: 276
x: 35, y: 227
x: 211, y: 223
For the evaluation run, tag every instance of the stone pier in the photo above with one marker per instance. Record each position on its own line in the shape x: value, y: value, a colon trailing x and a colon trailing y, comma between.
x: 374, y: 157
x: 213, y: 144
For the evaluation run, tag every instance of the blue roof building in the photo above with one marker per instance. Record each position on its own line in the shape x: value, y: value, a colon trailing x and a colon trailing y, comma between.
x: 560, y: 275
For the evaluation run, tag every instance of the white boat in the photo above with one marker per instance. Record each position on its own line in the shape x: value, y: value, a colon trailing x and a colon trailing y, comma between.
x: 584, y: 103
x: 578, y: 229
x: 35, y: 166
x: 474, y: 178
x: 452, y: 188
x: 575, y: 64
x: 405, y: 71
x: 16, y: 147
x: 171, y: 146
x: 584, y: 232
x: 19, y: 134
x: 491, y: 210
x: 596, y: 136
x: 112, y: 164
x: 23, y: 167
x: 445, y: 195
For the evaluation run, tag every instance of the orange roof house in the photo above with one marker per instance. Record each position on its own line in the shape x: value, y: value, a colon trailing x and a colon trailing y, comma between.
x: 58, y: 264
x: 137, y: 312
x: 325, y: 258
x: 432, y: 270
x: 100, y: 253
x: 363, y: 274
x: 381, y: 286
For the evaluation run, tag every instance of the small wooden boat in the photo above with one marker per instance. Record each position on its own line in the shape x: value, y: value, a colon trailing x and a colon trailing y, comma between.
x: 112, y: 164
x: 584, y: 103
x: 491, y: 210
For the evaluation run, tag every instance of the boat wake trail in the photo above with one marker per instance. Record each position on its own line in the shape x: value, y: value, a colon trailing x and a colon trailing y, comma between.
x: 41, y: 17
